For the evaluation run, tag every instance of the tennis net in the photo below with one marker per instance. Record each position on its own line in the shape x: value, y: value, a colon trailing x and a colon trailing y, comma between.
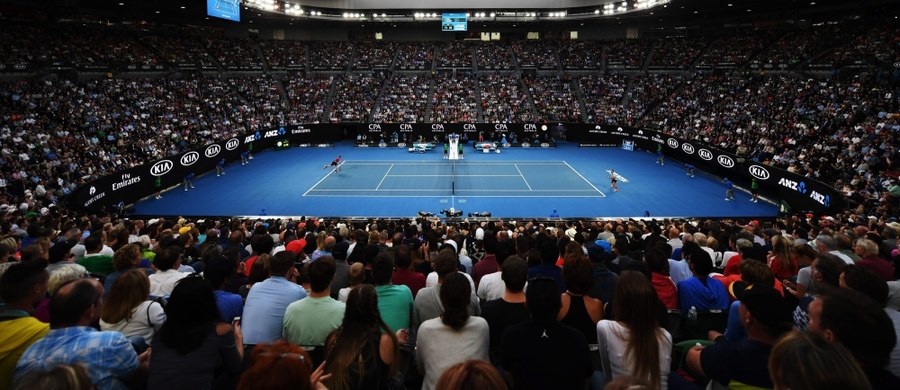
x: 453, y: 178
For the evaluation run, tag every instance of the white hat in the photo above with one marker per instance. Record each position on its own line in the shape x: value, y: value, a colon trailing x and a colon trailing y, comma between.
x: 452, y: 243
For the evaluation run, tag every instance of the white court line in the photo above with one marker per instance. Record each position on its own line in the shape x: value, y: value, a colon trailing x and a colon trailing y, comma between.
x: 461, y: 196
x: 384, y: 177
x: 458, y: 175
x: 429, y: 190
x: 522, y: 176
x: 319, y: 182
x: 430, y: 162
x: 583, y: 178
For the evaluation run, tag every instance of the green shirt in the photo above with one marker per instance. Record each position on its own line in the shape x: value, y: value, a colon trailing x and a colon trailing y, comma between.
x: 308, y: 322
x: 395, y: 302
x: 99, y: 264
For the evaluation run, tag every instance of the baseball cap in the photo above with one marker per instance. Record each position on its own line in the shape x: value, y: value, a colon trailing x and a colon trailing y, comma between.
x: 296, y: 246
x: 765, y: 304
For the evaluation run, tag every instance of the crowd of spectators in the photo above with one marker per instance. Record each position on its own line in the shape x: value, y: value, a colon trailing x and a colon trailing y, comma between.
x: 307, y: 94
x: 454, y: 98
x: 554, y: 98
x: 374, y: 55
x: 330, y: 55
x: 536, y: 54
x: 454, y: 54
x: 354, y: 96
x: 282, y: 55
x: 403, y: 99
x: 429, y: 304
x: 603, y: 97
x: 735, y: 49
x: 494, y: 56
x: 415, y: 56
x: 581, y: 55
x: 626, y: 54
x: 502, y: 98
x: 677, y: 52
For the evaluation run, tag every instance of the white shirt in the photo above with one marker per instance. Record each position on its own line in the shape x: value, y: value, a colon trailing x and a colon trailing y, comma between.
x: 612, y: 342
x: 145, y: 321
x: 491, y: 286
x: 163, y: 282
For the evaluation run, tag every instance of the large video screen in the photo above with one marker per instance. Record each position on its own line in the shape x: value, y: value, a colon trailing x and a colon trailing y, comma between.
x: 224, y: 9
x: 454, y: 22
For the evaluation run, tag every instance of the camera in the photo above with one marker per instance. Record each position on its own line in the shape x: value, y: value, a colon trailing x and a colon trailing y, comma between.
x: 451, y: 213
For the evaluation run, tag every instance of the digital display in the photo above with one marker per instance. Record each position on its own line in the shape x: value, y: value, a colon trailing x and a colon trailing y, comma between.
x: 224, y: 9
x: 454, y: 22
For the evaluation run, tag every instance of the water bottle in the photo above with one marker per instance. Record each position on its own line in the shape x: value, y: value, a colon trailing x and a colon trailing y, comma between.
x: 692, y: 324
x: 692, y: 314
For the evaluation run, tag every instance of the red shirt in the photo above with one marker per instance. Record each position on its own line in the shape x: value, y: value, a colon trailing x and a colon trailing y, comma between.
x: 249, y: 264
x: 780, y: 272
x: 880, y: 266
x: 666, y: 290
x: 486, y: 265
x: 414, y: 280
x: 733, y: 267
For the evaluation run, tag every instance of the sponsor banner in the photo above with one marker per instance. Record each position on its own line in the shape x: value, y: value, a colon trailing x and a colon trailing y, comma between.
x: 6, y: 68
x: 801, y: 193
x: 138, y: 182
x: 436, y: 132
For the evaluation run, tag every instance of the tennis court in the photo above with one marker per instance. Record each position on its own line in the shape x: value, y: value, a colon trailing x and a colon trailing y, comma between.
x: 474, y: 179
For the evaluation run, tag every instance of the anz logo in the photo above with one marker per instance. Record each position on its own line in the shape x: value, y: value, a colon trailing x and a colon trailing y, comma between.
x: 687, y: 148
x: 673, y: 143
x: 796, y: 186
x: 189, y: 159
x: 212, y: 151
x: 823, y: 200
x: 705, y: 154
x: 725, y: 161
x: 161, y: 168
x: 232, y: 144
x: 759, y: 172
x: 250, y: 138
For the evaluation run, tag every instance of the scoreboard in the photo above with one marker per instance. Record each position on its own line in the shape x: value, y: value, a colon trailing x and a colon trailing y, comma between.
x: 454, y: 22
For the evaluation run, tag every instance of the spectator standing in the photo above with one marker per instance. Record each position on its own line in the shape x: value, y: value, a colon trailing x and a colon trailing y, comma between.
x: 509, y: 309
x: 309, y: 321
x: 22, y: 287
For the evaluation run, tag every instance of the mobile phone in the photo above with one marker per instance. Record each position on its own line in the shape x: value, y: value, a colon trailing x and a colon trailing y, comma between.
x: 236, y: 321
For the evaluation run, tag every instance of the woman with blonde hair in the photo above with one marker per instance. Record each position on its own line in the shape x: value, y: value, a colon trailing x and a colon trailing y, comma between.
x: 781, y: 260
x: 127, y: 309
x: 634, y: 344
x: 806, y: 361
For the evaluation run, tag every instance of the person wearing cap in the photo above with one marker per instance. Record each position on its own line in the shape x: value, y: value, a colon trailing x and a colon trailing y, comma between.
x: 765, y: 316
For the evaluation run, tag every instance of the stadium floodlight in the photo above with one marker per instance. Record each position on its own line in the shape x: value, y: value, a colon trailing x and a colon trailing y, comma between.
x: 493, y: 14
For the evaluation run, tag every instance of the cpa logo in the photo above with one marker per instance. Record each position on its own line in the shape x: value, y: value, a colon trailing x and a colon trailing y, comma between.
x: 232, y: 144
x: 759, y: 172
x: 374, y: 126
x: 687, y: 148
x: 705, y: 154
x: 189, y: 159
x: 92, y: 191
x: 726, y: 161
x: 672, y: 143
x: 161, y: 168
x: 212, y: 151
x: 469, y: 126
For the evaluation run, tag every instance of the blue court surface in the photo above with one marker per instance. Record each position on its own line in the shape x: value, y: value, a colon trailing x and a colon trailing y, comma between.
x: 516, y: 183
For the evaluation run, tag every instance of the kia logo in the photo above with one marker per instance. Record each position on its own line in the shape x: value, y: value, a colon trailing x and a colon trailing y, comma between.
x: 189, y: 158
x: 212, y: 151
x: 232, y: 144
x: 726, y: 161
x: 161, y: 168
x: 759, y: 172
x: 672, y: 143
x: 705, y: 154
x: 93, y: 190
x: 688, y: 148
